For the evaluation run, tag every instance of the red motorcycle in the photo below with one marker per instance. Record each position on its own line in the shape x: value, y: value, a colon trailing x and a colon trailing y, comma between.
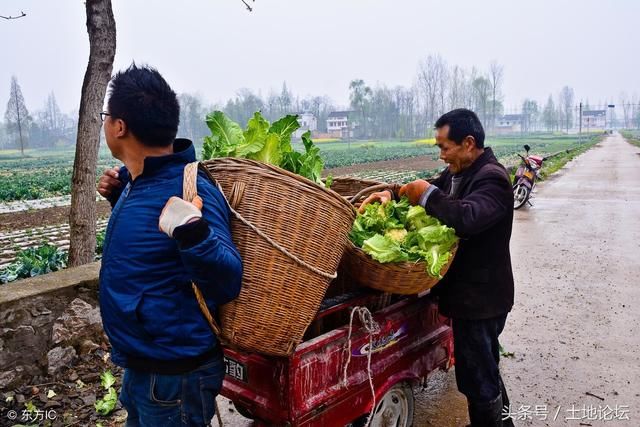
x: 525, y: 178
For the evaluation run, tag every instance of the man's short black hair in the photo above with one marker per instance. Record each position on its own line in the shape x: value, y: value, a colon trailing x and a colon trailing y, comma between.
x: 462, y: 123
x: 144, y: 100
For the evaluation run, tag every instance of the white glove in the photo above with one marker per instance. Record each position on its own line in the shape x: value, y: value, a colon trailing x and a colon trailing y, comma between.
x: 178, y: 212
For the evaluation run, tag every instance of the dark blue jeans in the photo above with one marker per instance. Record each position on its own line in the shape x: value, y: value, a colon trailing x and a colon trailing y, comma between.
x: 477, y: 355
x: 155, y: 400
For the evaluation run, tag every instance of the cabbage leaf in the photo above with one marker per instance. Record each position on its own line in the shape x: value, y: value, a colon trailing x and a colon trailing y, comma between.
x: 396, y: 232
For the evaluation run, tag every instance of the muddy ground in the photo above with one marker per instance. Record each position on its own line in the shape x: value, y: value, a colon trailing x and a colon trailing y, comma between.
x: 12, y: 221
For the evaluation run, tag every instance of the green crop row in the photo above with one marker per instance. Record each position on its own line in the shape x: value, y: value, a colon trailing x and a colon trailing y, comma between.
x: 42, y: 259
x: 48, y: 173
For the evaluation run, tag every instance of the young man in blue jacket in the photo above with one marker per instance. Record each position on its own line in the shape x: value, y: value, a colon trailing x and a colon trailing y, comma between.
x: 474, y: 196
x: 156, y: 244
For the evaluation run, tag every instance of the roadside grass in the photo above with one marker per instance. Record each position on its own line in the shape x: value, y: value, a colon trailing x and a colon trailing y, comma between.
x: 632, y: 136
x: 558, y: 161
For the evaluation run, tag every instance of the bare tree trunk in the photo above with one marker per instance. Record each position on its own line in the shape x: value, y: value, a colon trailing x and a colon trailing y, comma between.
x: 15, y: 95
x: 20, y: 133
x: 101, y: 27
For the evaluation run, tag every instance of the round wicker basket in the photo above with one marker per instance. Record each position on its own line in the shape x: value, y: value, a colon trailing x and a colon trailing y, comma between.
x: 291, y: 234
x: 405, y: 278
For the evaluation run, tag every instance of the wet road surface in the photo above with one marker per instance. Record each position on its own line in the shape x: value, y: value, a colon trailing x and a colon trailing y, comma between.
x: 574, y: 328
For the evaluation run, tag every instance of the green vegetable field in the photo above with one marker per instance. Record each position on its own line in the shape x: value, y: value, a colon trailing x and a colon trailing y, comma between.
x: 41, y: 173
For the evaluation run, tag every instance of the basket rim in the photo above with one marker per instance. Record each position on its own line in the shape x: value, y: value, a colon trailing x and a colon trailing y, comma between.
x: 399, y: 264
x: 278, y: 170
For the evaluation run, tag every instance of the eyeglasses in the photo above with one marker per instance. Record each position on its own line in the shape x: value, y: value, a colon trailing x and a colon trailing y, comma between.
x: 103, y: 115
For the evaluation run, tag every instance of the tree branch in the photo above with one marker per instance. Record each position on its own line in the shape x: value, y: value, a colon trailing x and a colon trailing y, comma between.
x: 247, y: 4
x: 14, y: 17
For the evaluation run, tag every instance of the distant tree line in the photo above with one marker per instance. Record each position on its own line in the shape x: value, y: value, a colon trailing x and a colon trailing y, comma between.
x: 46, y: 128
x: 379, y: 112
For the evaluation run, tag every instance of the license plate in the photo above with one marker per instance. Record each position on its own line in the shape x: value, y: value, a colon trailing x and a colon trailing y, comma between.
x: 235, y: 369
x: 528, y: 174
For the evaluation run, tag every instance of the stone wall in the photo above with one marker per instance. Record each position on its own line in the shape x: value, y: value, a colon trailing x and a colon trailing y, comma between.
x: 45, y: 321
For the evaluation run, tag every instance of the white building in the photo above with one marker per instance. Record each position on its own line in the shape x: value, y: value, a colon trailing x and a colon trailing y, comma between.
x: 307, y: 122
x: 509, y: 123
x: 340, y: 124
x: 594, y: 119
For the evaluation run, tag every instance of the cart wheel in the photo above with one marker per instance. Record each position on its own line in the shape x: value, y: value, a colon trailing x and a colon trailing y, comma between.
x: 395, y: 409
x: 243, y: 411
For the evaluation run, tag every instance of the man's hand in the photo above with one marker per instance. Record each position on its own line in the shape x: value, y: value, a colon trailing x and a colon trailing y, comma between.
x: 179, y: 212
x: 414, y: 190
x: 382, y: 197
x: 109, y: 181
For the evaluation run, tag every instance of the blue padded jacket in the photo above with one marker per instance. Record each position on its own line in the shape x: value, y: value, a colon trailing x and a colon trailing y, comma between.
x: 148, y: 308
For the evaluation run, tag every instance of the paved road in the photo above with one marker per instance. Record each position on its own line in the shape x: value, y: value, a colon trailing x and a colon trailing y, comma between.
x: 574, y: 328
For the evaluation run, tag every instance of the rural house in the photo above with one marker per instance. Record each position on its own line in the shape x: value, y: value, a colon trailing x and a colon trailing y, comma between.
x: 509, y: 123
x: 341, y: 124
x: 594, y: 119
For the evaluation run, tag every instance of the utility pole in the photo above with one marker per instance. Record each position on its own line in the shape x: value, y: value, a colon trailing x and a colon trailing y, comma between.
x: 580, y: 131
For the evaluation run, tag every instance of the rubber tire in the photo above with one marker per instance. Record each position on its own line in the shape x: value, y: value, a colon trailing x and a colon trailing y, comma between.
x: 517, y: 188
x: 401, y: 389
x: 243, y: 411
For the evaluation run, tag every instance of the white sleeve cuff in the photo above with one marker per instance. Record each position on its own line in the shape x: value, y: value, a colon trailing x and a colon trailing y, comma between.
x: 425, y: 196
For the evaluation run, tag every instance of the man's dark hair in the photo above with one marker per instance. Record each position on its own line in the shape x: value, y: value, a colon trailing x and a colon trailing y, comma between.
x: 462, y: 123
x: 142, y: 98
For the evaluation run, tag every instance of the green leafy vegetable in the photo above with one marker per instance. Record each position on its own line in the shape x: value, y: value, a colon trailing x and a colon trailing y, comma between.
x: 396, y: 232
x: 33, y: 262
x: 384, y: 249
x: 30, y: 407
x: 263, y: 142
x: 107, y: 379
x: 107, y: 404
x: 225, y: 137
x: 328, y: 182
x: 505, y: 353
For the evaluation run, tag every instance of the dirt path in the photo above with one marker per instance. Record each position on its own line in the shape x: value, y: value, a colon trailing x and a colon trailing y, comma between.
x: 57, y: 215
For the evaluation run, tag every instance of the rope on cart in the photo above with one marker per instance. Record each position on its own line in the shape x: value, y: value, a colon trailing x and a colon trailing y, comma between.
x: 371, y: 327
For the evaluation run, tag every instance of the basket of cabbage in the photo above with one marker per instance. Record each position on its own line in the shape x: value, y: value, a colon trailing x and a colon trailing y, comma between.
x: 399, y: 248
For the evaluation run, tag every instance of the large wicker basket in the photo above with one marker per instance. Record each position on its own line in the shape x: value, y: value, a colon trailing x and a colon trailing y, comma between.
x: 395, y: 277
x: 291, y: 234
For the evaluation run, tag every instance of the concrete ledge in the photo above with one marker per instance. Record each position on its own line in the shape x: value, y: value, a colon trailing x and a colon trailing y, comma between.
x: 59, y: 280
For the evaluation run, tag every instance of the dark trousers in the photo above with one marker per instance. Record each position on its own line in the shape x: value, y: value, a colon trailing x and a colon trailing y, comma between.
x: 477, y: 355
x: 157, y: 400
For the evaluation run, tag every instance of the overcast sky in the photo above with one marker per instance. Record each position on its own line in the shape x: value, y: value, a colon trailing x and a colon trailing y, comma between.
x: 215, y: 47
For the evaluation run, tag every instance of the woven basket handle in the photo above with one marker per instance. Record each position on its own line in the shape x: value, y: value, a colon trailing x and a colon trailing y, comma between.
x: 237, y: 192
x: 189, y: 192
x: 377, y: 187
